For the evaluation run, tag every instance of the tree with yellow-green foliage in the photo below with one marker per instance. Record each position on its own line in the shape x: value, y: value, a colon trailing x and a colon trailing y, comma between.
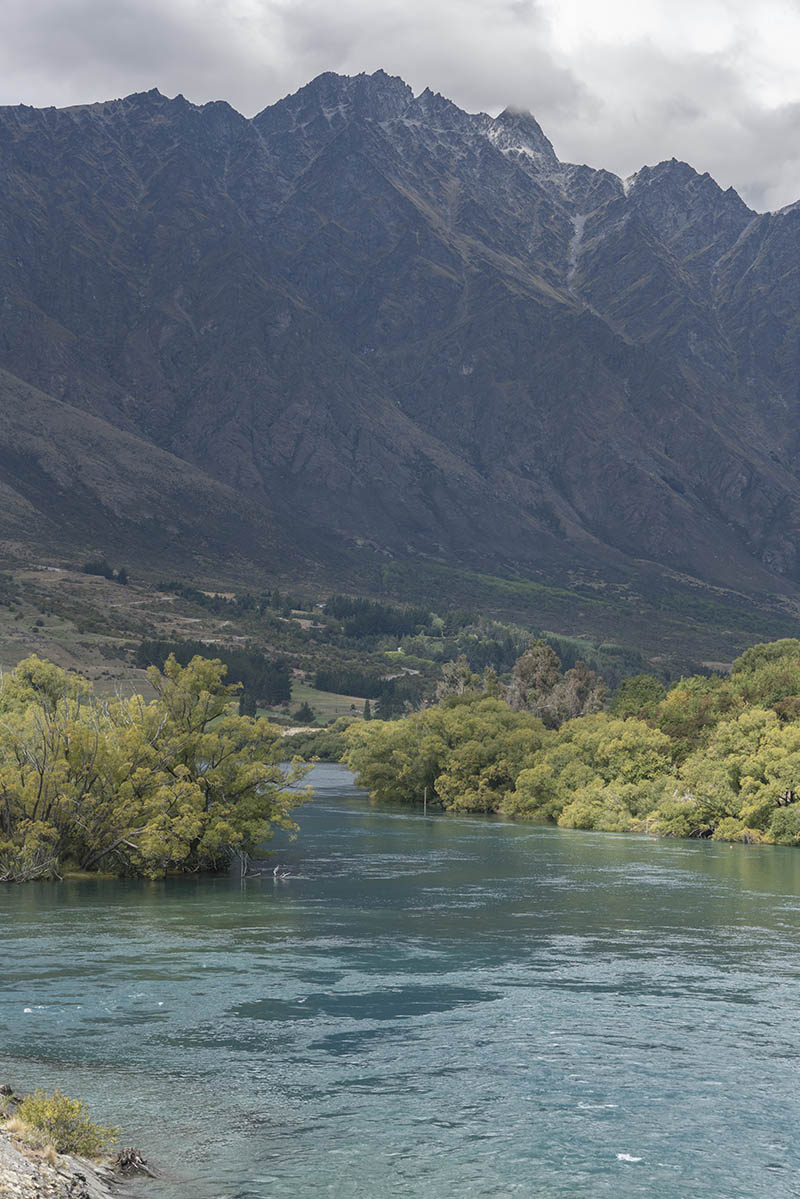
x: 466, y: 752
x: 639, y: 696
x: 597, y: 773
x: 712, y: 757
x: 743, y: 784
x: 488, y: 744
x: 133, y: 787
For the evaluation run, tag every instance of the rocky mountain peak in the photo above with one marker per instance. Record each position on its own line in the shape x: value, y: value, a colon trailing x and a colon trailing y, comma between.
x: 517, y: 130
x: 678, y: 180
x: 153, y: 101
x: 436, y: 110
x: 336, y: 99
x: 683, y: 205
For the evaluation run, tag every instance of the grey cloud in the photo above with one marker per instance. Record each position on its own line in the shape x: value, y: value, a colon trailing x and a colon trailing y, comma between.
x: 483, y: 54
x: 697, y: 109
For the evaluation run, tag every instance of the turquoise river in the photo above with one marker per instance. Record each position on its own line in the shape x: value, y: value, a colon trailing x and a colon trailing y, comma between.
x: 429, y: 1006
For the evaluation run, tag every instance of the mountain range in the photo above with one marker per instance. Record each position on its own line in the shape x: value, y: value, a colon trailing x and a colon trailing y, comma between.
x: 366, y: 325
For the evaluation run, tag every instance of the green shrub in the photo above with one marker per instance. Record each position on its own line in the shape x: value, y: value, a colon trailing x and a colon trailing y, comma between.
x: 677, y: 816
x: 731, y: 829
x: 598, y: 807
x: 784, y: 827
x: 66, y: 1124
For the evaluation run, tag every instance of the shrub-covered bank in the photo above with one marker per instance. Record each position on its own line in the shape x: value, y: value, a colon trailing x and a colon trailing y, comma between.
x: 711, y: 757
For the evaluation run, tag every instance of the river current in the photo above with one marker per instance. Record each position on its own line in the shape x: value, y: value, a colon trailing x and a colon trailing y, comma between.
x: 428, y: 1006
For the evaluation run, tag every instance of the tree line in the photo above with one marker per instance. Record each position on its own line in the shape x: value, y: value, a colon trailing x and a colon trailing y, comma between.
x: 244, y: 602
x: 709, y: 757
x: 264, y: 681
x: 371, y: 618
x: 392, y: 696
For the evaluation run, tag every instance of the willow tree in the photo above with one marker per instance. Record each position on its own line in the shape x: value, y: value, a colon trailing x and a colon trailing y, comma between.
x: 134, y: 787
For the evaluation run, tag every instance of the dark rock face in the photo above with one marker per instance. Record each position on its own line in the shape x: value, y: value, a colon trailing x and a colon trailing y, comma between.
x: 371, y: 317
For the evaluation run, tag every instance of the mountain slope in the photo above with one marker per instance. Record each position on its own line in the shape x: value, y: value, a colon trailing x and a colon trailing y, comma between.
x: 374, y: 319
x: 96, y: 486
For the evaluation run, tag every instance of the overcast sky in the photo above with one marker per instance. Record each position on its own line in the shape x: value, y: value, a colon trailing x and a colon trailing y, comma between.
x: 615, y: 83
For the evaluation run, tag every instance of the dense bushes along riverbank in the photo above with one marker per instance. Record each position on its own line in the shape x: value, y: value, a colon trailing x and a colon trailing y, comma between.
x: 130, y: 787
x: 712, y: 757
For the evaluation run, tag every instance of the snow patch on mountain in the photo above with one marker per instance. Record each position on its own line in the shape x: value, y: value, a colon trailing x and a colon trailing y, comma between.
x: 574, y: 249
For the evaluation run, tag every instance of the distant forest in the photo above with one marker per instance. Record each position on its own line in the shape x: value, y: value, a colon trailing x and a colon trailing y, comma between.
x: 266, y: 682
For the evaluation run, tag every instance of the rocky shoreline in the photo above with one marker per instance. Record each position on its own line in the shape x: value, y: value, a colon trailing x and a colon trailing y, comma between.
x: 29, y: 1174
x: 32, y: 1169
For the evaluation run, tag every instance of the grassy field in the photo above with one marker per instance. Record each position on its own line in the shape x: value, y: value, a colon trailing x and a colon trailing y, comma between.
x: 326, y: 705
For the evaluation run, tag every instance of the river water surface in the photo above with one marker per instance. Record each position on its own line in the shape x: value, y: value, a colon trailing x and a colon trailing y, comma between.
x: 429, y: 1006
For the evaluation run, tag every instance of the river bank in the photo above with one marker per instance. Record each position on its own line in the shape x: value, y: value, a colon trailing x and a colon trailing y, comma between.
x: 27, y: 1173
x: 43, y: 1142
